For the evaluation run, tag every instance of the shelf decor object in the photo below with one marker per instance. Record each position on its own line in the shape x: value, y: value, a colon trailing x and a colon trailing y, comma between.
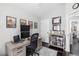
x: 10, y: 22
x: 57, y: 40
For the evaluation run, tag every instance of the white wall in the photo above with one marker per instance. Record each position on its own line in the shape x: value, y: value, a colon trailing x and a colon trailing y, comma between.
x: 45, y: 30
x: 46, y: 21
x: 6, y: 34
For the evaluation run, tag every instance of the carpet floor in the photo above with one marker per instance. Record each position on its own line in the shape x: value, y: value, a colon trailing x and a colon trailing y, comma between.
x: 44, y: 51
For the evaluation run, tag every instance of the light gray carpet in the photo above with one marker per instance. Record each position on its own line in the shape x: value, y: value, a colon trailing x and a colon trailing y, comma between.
x: 44, y: 51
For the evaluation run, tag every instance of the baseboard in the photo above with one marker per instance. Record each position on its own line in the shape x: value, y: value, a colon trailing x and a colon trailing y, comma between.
x: 45, y: 44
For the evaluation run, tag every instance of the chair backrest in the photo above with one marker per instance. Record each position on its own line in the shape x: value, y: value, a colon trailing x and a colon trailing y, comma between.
x: 34, y: 39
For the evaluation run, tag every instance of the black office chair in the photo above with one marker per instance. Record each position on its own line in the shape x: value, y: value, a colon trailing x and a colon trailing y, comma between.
x: 31, y: 49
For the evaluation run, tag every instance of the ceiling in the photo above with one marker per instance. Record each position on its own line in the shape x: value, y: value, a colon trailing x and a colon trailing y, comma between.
x: 36, y: 9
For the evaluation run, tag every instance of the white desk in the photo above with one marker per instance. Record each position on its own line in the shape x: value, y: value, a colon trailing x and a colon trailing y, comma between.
x: 17, y: 49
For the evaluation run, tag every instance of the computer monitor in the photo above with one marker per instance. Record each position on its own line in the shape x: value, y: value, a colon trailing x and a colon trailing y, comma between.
x: 25, y: 28
x: 25, y: 31
x: 25, y: 34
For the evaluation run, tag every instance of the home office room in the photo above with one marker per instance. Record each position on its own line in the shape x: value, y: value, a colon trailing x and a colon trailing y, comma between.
x: 39, y: 29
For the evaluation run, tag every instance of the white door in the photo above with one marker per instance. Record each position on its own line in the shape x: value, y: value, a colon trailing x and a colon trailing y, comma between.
x: 45, y: 30
x: 74, y: 29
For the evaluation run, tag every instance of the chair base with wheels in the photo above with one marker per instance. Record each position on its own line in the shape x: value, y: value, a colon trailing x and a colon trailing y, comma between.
x: 31, y: 52
x: 31, y: 49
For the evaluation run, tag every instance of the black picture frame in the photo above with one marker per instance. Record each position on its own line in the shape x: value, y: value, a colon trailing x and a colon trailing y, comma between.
x: 56, y: 20
x: 56, y: 28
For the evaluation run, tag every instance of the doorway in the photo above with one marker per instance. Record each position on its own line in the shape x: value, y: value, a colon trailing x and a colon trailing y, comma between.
x: 74, y: 46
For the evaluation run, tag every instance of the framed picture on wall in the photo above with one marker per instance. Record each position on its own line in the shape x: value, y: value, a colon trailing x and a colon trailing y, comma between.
x: 10, y: 22
x: 56, y: 28
x: 56, y: 20
x: 35, y: 25
x: 23, y: 22
x: 31, y: 24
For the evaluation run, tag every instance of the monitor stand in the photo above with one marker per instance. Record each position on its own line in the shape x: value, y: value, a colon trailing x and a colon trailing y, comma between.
x: 22, y: 40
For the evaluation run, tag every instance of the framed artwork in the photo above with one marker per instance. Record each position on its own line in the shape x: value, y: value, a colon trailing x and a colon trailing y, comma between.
x: 56, y: 28
x: 74, y: 25
x: 56, y: 20
x: 35, y: 25
x: 31, y: 24
x: 23, y: 22
x: 10, y: 22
